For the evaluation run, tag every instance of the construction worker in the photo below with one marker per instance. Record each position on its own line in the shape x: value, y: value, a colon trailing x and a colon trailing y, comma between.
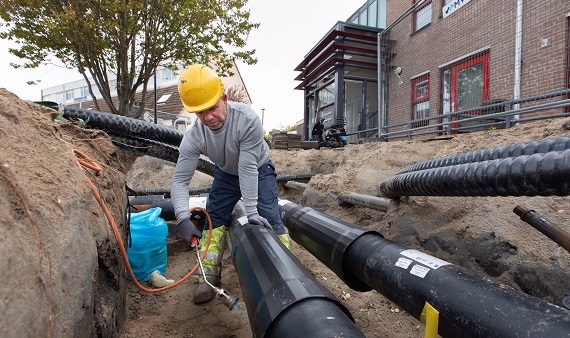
x: 231, y: 135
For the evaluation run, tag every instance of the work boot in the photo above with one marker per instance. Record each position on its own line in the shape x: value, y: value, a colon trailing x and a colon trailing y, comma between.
x: 204, y: 292
x: 212, y: 264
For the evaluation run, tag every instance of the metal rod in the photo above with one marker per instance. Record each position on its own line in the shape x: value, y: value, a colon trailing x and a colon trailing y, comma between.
x: 559, y: 236
x: 372, y: 202
x: 295, y: 185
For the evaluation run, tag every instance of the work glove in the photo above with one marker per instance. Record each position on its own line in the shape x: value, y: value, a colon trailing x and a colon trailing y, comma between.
x: 258, y: 220
x: 187, y: 230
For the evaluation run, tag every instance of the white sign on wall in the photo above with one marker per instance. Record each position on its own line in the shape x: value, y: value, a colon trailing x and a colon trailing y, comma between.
x: 452, y: 7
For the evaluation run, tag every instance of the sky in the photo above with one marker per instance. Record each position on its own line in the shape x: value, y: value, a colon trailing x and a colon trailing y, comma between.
x: 287, y: 32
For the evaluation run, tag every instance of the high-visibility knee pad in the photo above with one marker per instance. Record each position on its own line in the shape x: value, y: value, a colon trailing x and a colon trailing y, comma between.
x: 284, y: 238
x: 212, y: 262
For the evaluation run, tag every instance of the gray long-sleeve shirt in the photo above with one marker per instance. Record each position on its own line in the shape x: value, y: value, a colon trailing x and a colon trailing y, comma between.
x: 238, y: 148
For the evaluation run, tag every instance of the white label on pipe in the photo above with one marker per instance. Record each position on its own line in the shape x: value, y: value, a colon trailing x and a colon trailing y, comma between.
x: 425, y: 259
x: 403, y: 262
x: 243, y: 220
x: 197, y: 201
x: 419, y: 270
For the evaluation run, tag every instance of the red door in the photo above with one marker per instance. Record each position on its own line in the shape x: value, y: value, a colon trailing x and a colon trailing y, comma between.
x: 469, y: 86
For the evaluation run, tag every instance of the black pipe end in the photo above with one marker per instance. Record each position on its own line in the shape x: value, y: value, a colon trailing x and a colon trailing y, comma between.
x: 566, y: 302
x: 315, y: 318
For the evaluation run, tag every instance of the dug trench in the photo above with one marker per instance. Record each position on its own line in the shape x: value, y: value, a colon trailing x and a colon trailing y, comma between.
x: 57, y: 239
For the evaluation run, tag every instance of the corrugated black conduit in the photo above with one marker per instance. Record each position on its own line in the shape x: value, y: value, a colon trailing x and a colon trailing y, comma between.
x: 282, y: 298
x: 294, y: 177
x: 515, y: 150
x: 125, y: 125
x: 143, y: 146
x: 165, y: 192
x: 156, y: 149
x: 141, y: 137
x: 541, y: 174
x: 468, y: 305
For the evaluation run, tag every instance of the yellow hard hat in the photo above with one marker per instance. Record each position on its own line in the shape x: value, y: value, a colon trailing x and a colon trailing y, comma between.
x: 199, y: 87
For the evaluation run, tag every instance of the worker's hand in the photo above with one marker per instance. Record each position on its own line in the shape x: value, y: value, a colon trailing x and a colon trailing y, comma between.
x: 187, y: 230
x: 258, y: 220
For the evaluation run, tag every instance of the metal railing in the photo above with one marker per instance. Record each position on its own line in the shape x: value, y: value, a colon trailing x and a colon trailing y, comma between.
x: 450, y: 123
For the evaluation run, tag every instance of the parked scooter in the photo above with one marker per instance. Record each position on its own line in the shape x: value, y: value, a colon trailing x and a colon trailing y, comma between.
x: 334, y: 136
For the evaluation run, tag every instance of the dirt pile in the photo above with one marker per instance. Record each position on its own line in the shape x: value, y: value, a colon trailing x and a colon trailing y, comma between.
x: 61, y: 271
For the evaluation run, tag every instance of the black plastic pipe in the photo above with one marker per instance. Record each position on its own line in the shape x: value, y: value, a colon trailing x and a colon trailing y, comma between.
x: 542, y: 174
x: 282, y: 298
x: 124, y: 125
x: 468, y: 305
x: 156, y: 149
x: 514, y: 150
x: 165, y: 192
x: 294, y: 177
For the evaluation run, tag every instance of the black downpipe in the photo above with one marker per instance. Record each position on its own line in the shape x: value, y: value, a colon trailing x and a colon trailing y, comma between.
x: 541, y: 174
x: 124, y: 125
x: 282, y: 298
x: 515, y: 150
x: 468, y: 305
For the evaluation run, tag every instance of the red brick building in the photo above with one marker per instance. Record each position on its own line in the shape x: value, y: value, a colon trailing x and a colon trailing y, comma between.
x: 457, y: 55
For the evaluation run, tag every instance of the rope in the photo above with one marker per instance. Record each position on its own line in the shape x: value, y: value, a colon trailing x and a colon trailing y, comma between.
x: 83, y: 161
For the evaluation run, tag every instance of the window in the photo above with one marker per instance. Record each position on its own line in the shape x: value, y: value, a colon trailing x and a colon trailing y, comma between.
x: 422, y: 14
x: 69, y: 95
x: 372, y: 13
x: 84, y: 91
x: 465, y: 85
x: 164, y: 98
x: 420, y: 101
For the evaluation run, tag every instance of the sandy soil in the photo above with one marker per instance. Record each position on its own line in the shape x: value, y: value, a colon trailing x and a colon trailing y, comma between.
x: 356, y: 168
x: 39, y: 171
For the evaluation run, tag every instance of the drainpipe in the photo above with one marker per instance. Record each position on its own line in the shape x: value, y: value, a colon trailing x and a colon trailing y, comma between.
x: 468, y: 305
x: 282, y: 298
x: 518, y: 58
x: 382, y: 106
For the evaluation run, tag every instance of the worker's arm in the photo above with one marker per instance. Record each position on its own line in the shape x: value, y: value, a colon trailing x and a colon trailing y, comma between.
x: 253, y: 153
x: 186, y: 165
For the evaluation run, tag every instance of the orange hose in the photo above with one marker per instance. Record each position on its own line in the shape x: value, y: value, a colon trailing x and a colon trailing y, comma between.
x: 85, y: 162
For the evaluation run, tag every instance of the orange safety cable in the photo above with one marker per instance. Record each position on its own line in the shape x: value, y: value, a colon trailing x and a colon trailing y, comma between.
x: 85, y: 162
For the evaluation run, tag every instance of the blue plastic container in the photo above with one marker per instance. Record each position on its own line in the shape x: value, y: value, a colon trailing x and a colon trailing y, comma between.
x: 148, y: 249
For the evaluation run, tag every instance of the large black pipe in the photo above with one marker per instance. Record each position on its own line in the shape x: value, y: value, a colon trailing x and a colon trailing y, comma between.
x: 468, y: 305
x: 541, y: 174
x: 282, y: 298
